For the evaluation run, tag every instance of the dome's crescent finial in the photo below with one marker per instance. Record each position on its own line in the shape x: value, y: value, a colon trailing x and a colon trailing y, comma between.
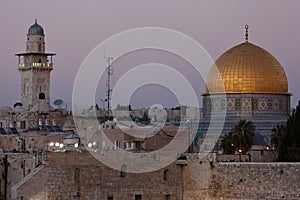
x: 246, y: 35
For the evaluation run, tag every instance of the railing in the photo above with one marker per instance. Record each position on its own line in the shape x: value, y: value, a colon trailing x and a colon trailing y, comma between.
x: 34, y: 64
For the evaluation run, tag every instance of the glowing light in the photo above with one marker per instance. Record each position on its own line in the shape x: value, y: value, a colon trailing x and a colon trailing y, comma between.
x: 56, y: 144
x: 240, y: 150
x: 76, y: 145
x: 94, y: 143
x: 51, y: 144
x: 90, y: 145
x: 61, y: 145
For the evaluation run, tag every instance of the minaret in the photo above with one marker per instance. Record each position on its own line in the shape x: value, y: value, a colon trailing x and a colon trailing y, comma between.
x: 35, y: 67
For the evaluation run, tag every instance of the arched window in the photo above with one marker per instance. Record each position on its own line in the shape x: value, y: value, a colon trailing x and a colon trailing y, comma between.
x: 40, y: 61
x: 166, y: 175
x: 42, y: 96
x: 123, y: 171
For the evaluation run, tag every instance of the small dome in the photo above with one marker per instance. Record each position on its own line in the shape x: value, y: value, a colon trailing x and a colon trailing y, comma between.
x: 247, y: 68
x: 35, y: 29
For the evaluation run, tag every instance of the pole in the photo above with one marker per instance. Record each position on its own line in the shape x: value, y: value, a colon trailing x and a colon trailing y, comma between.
x: 108, y: 89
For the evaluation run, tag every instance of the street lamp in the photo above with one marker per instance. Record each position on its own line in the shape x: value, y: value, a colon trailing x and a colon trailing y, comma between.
x: 240, y: 151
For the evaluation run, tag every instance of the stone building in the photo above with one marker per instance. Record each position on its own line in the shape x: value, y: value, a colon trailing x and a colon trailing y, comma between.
x: 35, y: 66
x: 34, y: 110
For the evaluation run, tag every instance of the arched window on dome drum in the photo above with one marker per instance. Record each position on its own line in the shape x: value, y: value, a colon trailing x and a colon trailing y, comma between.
x: 40, y: 47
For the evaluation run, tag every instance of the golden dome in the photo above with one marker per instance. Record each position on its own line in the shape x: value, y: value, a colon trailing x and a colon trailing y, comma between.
x: 247, y: 68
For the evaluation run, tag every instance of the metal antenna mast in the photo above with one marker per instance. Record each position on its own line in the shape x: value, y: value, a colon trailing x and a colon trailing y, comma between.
x: 109, y: 71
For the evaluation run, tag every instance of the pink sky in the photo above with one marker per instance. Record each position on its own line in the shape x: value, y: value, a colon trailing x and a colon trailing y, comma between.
x: 74, y: 28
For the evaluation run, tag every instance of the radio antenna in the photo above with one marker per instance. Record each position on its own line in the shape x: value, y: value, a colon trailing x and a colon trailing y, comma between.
x: 109, y: 71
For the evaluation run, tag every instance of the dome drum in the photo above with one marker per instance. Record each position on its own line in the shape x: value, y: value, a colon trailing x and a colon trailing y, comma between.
x: 247, y: 105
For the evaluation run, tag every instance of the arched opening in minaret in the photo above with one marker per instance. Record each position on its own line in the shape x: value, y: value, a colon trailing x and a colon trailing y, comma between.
x: 42, y: 96
x: 40, y: 61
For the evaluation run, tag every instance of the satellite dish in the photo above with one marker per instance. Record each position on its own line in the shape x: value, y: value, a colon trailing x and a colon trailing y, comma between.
x: 18, y: 104
x: 58, y: 102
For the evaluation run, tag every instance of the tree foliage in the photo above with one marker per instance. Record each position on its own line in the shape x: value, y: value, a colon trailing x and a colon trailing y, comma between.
x: 241, y: 138
x: 276, y: 137
x: 289, y: 139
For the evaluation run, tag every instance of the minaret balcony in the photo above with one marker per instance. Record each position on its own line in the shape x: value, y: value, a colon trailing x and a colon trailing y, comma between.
x: 35, y: 65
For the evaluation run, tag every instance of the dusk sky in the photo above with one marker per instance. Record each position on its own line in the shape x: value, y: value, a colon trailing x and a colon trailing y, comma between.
x: 74, y: 28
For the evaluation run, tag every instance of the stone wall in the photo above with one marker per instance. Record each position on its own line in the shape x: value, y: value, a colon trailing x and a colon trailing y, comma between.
x: 33, y: 142
x: 73, y: 175
x: 203, y: 180
x: 79, y: 176
x: 13, y: 168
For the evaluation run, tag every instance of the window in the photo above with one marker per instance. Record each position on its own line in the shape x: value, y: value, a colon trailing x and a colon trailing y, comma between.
x: 123, y: 171
x: 166, y: 175
x: 167, y: 197
x: 138, y: 197
x: 77, y: 197
x: 154, y: 142
x: 40, y: 47
x: 117, y: 145
x: 103, y: 145
x: 261, y: 152
x: 77, y: 175
x: 42, y: 96
x: 129, y: 145
x: 110, y: 198
x: 1, y: 124
x: 23, y: 125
